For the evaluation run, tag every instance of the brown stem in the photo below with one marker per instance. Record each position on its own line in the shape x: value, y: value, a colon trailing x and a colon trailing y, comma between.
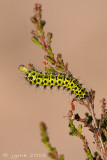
x: 91, y: 109
x: 55, y: 156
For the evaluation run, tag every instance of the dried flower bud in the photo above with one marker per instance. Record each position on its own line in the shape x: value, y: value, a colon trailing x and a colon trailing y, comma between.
x: 38, y: 6
x: 43, y: 23
x: 43, y: 126
x: 77, y: 117
x: 72, y: 105
x: 70, y: 114
x: 49, y: 35
x: 59, y: 55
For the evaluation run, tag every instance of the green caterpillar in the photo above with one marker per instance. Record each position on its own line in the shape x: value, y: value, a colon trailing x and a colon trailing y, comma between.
x: 51, y: 80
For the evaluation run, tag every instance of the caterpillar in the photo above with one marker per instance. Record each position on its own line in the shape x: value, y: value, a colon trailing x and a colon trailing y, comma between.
x: 59, y: 80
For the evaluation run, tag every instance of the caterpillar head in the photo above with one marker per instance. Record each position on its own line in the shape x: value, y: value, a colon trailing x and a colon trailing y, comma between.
x: 23, y: 68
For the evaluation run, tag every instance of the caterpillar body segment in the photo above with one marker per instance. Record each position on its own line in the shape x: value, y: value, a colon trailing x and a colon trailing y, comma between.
x: 58, y: 80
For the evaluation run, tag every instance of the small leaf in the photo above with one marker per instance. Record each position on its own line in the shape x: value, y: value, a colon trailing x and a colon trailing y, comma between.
x: 50, y: 52
x: 89, y: 155
x: 70, y: 123
x: 88, y: 118
x: 50, y: 70
x: 55, y: 151
x: 73, y: 133
x: 61, y: 157
x: 34, y: 39
x: 51, y: 155
x: 60, y: 69
x: 103, y: 137
x: 80, y: 128
x: 49, y: 59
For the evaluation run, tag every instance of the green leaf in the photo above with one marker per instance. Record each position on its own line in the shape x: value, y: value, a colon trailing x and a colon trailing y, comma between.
x: 103, y: 137
x: 34, y: 39
x: 51, y: 155
x: 71, y: 123
x: 80, y: 128
x: 50, y: 52
x: 104, y: 124
x: 49, y: 59
x: 89, y: 155
x: 48, y: 146
x: 61, y: 157
x: 88, y: 118
x: 50, y: 70
x: 73, y: 133
x: 60, y: 68
x: 98, y: 121
x: 54, y: 150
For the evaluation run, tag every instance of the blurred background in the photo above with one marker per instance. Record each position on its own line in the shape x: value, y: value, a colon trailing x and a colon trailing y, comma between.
x: 80, y: 34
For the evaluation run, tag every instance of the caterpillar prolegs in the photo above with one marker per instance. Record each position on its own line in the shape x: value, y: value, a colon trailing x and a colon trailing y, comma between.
x: 51, y: 80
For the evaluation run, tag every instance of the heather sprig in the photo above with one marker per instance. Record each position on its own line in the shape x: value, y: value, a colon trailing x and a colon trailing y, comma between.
x: 53, y: 153
x: 98, y: 127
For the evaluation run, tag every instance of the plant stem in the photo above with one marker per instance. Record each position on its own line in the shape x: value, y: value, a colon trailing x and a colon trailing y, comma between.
x: 91, y: 109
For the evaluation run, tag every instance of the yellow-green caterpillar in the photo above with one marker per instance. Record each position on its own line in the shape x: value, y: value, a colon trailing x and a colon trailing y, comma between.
x: 59, y: 80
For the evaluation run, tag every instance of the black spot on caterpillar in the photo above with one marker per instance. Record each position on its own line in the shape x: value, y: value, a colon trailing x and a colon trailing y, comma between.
x: 59, y: 80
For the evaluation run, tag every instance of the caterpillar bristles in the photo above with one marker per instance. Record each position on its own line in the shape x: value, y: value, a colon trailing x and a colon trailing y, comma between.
x: 64, y: 88
x: 59, y: 80
x: 51, y: 86
x: 44, y: 86
x: 30, y: 82
x: 58, y: 87
x: 37, y: 85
